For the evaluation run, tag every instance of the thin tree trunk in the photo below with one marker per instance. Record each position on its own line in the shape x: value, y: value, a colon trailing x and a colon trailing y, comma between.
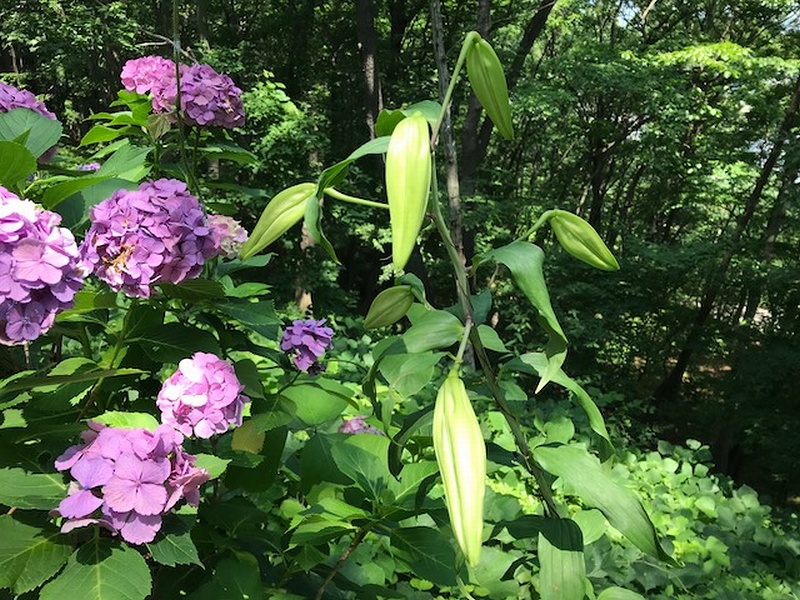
x: 669, y: 388
x: 475, y: 135
x: 368, y: 51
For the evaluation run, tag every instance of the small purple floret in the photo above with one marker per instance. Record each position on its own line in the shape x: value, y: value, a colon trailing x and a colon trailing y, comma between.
x: 40, y: 269
x: 202, y: 397
x: 126, y: 479
x: 229, y: 233
x: 358, y: 424
x: 156, y: 234
x: 306, y: 341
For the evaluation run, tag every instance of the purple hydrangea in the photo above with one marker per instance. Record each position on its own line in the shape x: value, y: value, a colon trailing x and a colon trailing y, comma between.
x: 358, y: 424
x: 155, y: 234
x: 39, y: 269
x: 306, y: 341
x: 140, y: 75
x: 11, y: 98
x: 202, y: 397
x: 92, y: 166
x: 207, y: 97
x: 229, y: 233
x: 126, y: 479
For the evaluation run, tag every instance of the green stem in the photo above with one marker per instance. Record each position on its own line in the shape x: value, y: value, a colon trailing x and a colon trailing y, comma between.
x: 462, y: 56
x: 176, y: 54
x: 336, y: 194
x: 546, y: 216
x: 464, y: 340
x: 483, y: 358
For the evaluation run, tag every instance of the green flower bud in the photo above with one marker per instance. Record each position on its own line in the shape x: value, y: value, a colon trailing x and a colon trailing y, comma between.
x: 461, y: 455
x: 580, y: 239
x: 408, y: 180
x: 488, y: 81
x: 284, y: 210
x: 389, y: 306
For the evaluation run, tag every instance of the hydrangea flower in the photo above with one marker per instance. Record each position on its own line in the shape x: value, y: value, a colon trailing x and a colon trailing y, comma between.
x: 39, y: 269
x: 11, y: 98
x: 157, y: 233
x: 207, y: 97
x: 229, y: 233
x: 306, y: 341
x: 358, y: 424
x: 202, y: 397
x: 92, y: 166
x: 126, y: 479
x: 140, y: 75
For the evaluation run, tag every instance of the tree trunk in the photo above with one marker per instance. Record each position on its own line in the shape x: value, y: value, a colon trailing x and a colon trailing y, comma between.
x: 368, y: 51
x: 475, y: 135
x: 669, y: 388
x: 451, y: 158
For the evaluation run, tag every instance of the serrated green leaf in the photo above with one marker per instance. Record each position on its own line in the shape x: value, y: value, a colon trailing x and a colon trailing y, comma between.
x: 362, y: 458
x: 313, y: 404
x: 256, y: 316
x: 29, y: 556
x: 101, y: 570
x: 26, y: 490
x: 213, y: 464
x: 127, y: 420
x: 409, y: 373
x: 16, y: 163
x: 173, y: 342
x: 40, y: 133
x: 174, y: 545
x: 428, y: 552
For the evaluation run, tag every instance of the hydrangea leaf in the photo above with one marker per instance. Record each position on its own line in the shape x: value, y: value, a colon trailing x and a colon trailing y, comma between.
x: 39, y: 133
x: 22, y: 489
x: 29, y: 556
x: 102, y: 570
x: 16, y: 163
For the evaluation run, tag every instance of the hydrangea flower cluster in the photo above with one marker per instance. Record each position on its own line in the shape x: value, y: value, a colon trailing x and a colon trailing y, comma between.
x: 92, y: 166
x: 306, y: 341
x: 202, y: 397
x: 207, y: 97
x: 358, y: 424
x: 141, y: 74
x: 11, y: 98
x: 39, y: 269
x: 157, y: 233
x: 230, y: 234
x: 126, y: 480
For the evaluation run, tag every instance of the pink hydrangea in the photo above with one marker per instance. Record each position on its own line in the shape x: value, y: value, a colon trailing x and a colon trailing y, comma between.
x: 39, y: 269
x: 306, y: 342
x: 126, y: 480
x: 202, y: 397
x: 140, y: 75
x: 358, y: 424
x: 229, y: 233
x: 157, y: 233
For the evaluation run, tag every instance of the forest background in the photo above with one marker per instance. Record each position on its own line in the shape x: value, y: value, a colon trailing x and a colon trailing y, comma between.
x: 670, y: 125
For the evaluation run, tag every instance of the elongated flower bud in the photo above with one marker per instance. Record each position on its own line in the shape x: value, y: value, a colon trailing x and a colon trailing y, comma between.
x: 389, y: 307
x: 581, y: 240
x: 461, y: 455
x: 284, y: 210
x: 408, y: 180
x: 488, y: 81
